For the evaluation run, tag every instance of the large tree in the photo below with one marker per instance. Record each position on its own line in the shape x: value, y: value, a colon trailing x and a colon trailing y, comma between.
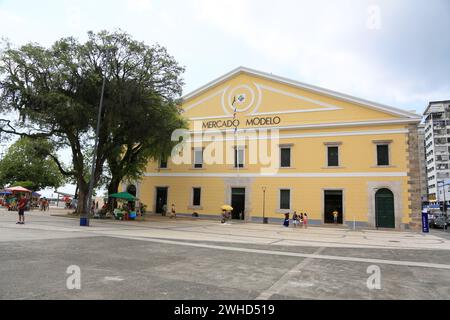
x: 57, y: 91
x: 26, y: 163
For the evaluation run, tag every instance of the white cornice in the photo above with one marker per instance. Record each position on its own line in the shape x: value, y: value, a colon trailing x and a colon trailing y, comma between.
x: 281, y: 175
x: 330, y: 93
x: 210, y: 138
x: 318, y: 125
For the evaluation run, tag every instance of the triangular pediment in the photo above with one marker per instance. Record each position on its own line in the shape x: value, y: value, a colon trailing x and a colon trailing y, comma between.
x: 245, y: 93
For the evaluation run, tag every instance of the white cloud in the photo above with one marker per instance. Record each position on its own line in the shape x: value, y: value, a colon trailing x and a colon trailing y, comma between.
x: 74, y: 17
x: 10, y: 21
x: 325, y: 44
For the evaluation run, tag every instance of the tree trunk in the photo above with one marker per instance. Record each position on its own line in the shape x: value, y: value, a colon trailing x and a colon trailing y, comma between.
x: 82, y: 194
x: 113, y: 187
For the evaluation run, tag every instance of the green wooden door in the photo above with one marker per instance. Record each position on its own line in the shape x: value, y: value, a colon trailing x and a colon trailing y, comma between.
x: 384, y: 209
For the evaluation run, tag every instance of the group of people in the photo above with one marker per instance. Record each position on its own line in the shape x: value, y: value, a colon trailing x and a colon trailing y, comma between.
x: 297, y: 220
x: 172, y: 213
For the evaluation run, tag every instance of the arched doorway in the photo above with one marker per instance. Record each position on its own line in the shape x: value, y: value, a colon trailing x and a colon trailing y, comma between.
x: 384, y: 209
x: 132, y: 189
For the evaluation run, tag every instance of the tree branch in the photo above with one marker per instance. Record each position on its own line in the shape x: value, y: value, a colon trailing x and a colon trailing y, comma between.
x: 61, y: 169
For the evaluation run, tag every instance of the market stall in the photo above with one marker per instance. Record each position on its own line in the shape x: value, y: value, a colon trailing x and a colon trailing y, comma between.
x: 12, y: 199
x: 126, y: 208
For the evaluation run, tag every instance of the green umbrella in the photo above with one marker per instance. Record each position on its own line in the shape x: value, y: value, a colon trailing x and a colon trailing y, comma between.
x: 123, y: 195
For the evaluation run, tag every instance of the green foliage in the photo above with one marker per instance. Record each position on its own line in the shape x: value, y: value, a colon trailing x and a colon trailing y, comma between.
x: 56, y: 90
x: 30, y: 185
x: 26, y: 163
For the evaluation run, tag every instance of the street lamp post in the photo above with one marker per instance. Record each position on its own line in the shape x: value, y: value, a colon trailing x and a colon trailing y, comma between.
x: 264, y: 205
x: 84, y: 220
x: 444, y: 205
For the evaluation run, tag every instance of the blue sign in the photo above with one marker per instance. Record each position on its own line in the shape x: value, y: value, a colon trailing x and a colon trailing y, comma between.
x: 425, y: 226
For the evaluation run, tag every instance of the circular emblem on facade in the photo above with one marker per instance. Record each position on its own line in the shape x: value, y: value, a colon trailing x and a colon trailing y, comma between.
x: 241, y: 98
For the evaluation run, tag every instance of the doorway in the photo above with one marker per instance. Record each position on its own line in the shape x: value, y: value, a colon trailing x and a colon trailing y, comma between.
x: 333, y: 202
x: 384, y: 209
x: 161, y: 199
x: 238, y: 203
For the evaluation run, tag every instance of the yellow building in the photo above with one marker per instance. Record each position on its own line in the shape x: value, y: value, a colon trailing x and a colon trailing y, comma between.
x: 268, y: 145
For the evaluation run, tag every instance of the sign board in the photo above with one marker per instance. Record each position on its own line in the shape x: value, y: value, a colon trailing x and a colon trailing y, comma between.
x: 425, y: 225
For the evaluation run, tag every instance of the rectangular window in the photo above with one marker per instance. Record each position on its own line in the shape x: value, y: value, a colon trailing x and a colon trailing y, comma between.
x: 333, y: 156
x: 163, y: 163
x: 198, y: 158
x: 285, y: 157
x: 382, y: 154
x: 239, y: 157
x: 285, y: 199
x: 196, y: 196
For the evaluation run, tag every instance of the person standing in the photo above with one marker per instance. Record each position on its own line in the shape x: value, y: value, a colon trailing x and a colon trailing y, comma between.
x: 164, y: 210
x: 300, y: 218
x: 21, y: 207
x: 286, y: 220
x: 93, y: 208
x: 295, y: 219
x: 335, y: 216
x: 305, y: 220
x: 173, y: 213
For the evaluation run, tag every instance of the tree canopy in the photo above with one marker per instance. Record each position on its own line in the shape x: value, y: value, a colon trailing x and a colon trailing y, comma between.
x: 56, y: 91
x: 26, y: 165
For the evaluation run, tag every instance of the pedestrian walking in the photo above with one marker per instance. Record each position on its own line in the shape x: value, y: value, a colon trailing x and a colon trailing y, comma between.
x: 300, y: 218
x: 335, y: 216
x: 286, y: 220
x: 305, y: 220
x: 21, y: 207
x: 164, y: 210
x: 173, y: 213
x: 224, y: 216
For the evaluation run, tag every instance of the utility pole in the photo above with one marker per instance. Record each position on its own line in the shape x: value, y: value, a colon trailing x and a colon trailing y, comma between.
x: 84, y: 220
x: 264, y: 205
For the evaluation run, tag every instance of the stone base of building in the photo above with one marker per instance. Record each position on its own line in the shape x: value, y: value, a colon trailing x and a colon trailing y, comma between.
x: 313, y: 222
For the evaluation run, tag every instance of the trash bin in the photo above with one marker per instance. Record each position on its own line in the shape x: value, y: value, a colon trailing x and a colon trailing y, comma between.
x: 84, y: 222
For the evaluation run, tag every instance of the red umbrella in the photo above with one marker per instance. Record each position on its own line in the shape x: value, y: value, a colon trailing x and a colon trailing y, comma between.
x: 18, y: 189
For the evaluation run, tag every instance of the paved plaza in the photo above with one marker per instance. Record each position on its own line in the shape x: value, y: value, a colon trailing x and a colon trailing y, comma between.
x: 202, y: 259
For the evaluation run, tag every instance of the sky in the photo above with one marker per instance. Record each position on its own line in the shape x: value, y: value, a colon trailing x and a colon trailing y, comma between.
x: 394, y: 52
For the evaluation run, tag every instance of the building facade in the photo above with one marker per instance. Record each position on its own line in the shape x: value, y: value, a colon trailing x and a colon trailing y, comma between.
x: 267, y: 146
x: 437, y: 149
x: 422, y: 163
